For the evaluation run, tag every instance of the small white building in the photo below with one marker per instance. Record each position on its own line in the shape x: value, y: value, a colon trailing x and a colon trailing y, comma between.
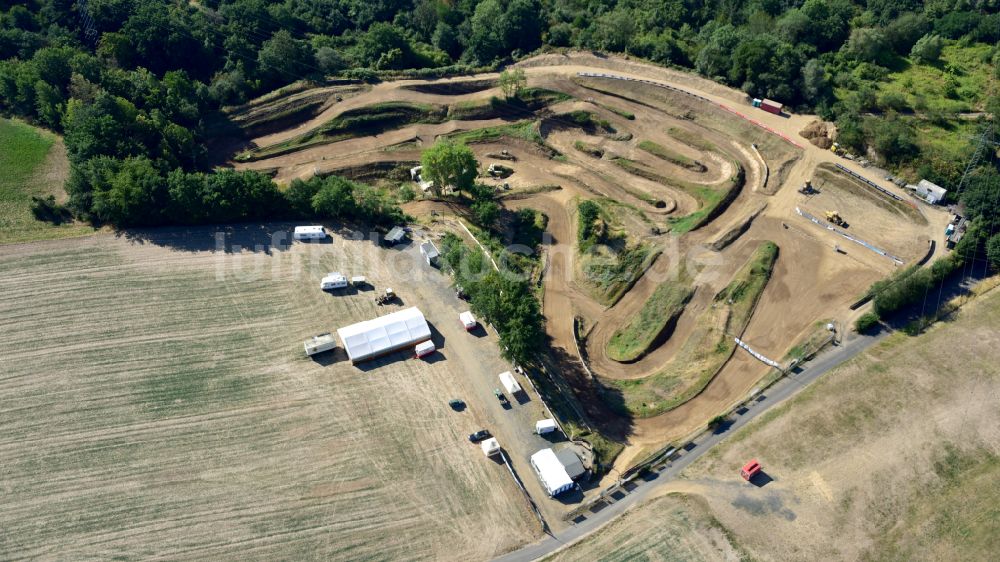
x: 333, y: 280
x: 385, y: 334
x: 551, y: 473
x: 395, y: 235
x: 468, y: 320
x: 313, y: 232
x: 490, y: 447
x: 930, y: 192
x: 430, y: 253
x: 509, y: 382
x: 545, y: 426
x: 424, y: 349
x: 319, y: 344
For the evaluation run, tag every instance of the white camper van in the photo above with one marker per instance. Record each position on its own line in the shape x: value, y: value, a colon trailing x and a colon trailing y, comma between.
x: 314, y: 232
x: 334, y: 280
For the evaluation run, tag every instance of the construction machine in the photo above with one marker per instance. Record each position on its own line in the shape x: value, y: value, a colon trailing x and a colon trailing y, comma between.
x: 835, y: 218
x: 807, y: 188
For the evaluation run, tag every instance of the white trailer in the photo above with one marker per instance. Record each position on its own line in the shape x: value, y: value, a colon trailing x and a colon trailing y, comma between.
x: 333, y: 280
x: 319, y: 344
x: 508, y: 381
x: 545, y: 426
x: 490, y: 447
x: 467, y: 320
x: 312, y: 232
x: 424, y: 348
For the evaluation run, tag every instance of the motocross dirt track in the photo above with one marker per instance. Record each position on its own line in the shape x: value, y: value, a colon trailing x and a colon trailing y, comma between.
x: 810, y: 280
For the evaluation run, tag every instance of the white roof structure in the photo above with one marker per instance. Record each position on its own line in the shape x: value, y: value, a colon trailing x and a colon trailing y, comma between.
x: 424, y: 348
x: 384, y: 334
x: 429, y: 250
x: 334, y: 277
x: 545, y: 426
x: 551, y: 473
x: 395, y: 234
x: 932, y: 192
x: 509, y: 382
x: 311, y: 229
x: 490, y: 447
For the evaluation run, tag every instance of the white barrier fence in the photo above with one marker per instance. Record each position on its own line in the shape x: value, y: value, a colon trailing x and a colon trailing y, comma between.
x: 756, y: 355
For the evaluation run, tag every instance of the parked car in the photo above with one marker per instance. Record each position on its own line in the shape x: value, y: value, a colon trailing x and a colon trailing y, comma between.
x: 501, y: 397
x: 480, y: 435
x: 456, y: 404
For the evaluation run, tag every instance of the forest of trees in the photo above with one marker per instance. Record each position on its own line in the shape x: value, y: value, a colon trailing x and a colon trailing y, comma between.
x: 135, y: 85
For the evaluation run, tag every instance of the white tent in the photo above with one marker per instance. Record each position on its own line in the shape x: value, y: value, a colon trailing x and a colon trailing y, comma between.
x: 551, y: 473
x: 490, y: 447
x: 545, y: 426
x: 468, y: 320
x: 384, y: 334
x: 509, y: 382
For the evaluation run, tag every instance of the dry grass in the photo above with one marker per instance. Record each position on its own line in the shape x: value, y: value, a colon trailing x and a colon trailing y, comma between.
x: 894, y: 456
x: 151, y: 409
x: 672, y: 527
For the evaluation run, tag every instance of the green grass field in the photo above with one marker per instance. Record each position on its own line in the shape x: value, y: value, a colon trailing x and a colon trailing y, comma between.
x: 22, y: 175
x: 671, y: 156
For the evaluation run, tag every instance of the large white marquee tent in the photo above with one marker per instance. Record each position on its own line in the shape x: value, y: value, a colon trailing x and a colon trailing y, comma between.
x: 384, y: 334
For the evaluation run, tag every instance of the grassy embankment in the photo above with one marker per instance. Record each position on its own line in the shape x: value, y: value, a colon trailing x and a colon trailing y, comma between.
x: 25, y: 172
x: 610, y: 261
x: 708, y: 346
x: 636, y: 338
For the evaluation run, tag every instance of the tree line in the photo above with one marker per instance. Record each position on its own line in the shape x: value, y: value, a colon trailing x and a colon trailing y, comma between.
x: 140, y: 81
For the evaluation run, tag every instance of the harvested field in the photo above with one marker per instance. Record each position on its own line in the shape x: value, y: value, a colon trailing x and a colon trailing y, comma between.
x: 155, y: 399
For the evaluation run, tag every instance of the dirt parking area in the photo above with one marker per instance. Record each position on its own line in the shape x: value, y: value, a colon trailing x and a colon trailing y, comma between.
x: 156, y: 399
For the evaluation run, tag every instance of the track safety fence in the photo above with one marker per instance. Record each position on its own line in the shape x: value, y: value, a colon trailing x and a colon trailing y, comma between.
x: 843, y: 234
x: 693, y: 95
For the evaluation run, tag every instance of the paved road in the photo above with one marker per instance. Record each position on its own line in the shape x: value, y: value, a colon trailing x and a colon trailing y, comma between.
x: 778, y: 393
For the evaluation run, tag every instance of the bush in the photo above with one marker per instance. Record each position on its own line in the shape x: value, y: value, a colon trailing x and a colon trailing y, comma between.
x: 46, y: 209
x: 866, y: 323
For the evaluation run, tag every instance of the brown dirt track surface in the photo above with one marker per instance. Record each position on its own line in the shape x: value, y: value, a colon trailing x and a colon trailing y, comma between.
x: 810, y: 278
x: 155, y: 400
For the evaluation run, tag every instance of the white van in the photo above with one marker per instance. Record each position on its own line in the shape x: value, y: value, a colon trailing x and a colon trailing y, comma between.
x: 314, y: 232
x: 333, y: 281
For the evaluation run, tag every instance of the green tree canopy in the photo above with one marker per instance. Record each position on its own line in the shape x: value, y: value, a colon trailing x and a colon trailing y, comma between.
x: 449, y: 164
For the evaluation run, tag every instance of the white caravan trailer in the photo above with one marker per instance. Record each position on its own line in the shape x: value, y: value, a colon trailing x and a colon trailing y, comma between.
x: 334, y: 280
x: 319, y: 344
x: 314, y: 232
x: 490, y: 447
x: 507, y: 378
x: 424, y: 348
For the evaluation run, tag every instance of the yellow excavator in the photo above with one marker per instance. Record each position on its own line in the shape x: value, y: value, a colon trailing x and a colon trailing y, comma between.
x: 835, y: 218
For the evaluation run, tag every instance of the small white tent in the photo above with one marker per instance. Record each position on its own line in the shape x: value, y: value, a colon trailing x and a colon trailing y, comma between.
x: 551, y: 473
x: 509, y: 382
x: 545, y: 426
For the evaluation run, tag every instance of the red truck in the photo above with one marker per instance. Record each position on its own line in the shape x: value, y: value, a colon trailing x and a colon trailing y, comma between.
x: 750, y: 470
x: 771, y: 106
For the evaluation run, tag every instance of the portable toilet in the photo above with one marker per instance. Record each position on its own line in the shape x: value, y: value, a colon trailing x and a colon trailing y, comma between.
x: 545, y: 426
x: 424, y: 348
x: 490, y: 447
x: 468, y: 320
